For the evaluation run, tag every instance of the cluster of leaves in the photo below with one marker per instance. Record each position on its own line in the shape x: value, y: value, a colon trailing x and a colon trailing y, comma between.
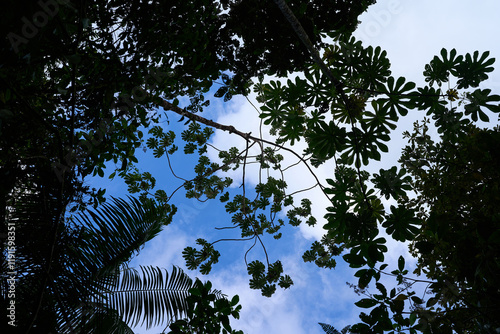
x: 266, y: 281
x: 86, y: 87
x: 266, y: 35
x: 204, y: 259
x: 339, y: 125
x: 460, y: 234
x: 317, y: 97
x: 352, y: 134
x: 323, y: 253
x: 208, y: 312
x: 250, y: 217
x: 91, y: 288
x: 77, y: 91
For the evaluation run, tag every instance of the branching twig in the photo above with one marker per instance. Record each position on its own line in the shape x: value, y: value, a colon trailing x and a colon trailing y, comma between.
x: 213, y: 243
x: 231, y: 129
x: 172, y: 170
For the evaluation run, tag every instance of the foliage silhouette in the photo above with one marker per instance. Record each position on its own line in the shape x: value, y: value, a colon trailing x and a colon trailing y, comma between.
x: 82, y: 92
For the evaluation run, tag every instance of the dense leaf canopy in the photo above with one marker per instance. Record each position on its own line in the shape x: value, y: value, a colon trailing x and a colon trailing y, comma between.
x: 82, y: 85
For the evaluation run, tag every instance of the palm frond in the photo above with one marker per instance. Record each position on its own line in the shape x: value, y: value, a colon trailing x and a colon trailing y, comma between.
x: 107, y: 238
x: 115, y: 231
x: 94, y: 318
x: 150, y: 296
x: 329, y: 329
x: 35, y: 209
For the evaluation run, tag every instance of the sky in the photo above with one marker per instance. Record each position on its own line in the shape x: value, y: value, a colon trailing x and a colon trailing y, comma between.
x: 411, y: 32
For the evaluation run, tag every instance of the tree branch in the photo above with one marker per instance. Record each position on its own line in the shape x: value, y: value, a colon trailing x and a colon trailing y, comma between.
x: 228, y: 128
x: 301, y: 33
x: 231, y: 129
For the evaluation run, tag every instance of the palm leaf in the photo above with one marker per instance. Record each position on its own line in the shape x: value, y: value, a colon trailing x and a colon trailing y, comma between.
x: 151, y: 296
x: 90, y: 288
x: 109, y: 237
x: 114, y: 232
x: 329, y: 329
x: 94, y: 318
x: 36, y: 211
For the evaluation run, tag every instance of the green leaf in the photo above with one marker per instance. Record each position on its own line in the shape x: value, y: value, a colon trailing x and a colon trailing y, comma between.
x: 256, y: 268
x: 417, y: 300
x: 326, y: 140
x: 366, y: 303
x: 354, y: 260
x: 472, y: 71
x: 481, y: 98
x: 413, y: 318
x: 401, y: 263
x: 221, y: 91
x: 285, y: 282
x: 365, y: 279
x: 437, y: 72
x: 195, y: 292
x: 431, y: 302
x: 397, y: 100
x: 392, y: 183
x: 381, y: 288
x: 143, y: 297
x: 402, y: 224
x: 235, y: 300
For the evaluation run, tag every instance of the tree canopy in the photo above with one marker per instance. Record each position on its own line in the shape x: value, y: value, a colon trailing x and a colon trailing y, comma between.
x: 83, y: 85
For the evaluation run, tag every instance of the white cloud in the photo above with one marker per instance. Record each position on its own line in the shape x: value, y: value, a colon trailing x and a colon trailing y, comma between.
x: 165, y: 250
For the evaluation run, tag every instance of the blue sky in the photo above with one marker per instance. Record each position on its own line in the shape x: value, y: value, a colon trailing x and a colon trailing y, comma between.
x: 412, y: 32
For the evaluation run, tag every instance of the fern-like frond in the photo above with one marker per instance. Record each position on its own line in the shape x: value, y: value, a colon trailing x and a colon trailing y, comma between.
x: 150, y: 296
x: 94, y: 318
x: 93, y: 277
x: 115, y: 231
x: 328, y: 328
